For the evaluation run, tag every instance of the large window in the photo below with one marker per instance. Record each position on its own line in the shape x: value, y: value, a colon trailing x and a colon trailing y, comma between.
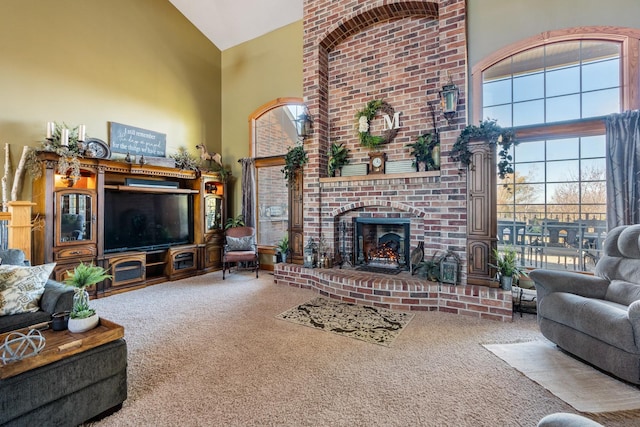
x: 553, y: 83
x: 553, y: 207
x: 272, y: 133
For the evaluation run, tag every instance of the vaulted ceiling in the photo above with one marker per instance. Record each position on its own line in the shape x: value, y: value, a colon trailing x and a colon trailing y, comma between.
x: 228, y: 23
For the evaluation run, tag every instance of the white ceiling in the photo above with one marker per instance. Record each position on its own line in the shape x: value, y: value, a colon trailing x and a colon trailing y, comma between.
x: 228, y: 23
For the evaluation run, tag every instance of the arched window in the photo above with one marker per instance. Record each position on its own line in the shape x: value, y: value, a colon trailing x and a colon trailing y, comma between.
x: 273, y: 131
x: 555, y: 91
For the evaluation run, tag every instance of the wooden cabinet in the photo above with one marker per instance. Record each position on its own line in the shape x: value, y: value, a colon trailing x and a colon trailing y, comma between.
x: 127, y: 268
x: 481, y: 213
x: 182, y: 262
x: 296, y: 218
x: 212, y: 214
x: 65, y: 212
x: 171, y: 225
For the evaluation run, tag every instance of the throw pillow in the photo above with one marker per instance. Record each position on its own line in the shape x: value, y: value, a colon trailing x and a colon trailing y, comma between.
x: 240, y: 243
x: 22, y: 287
x: 12, y: 256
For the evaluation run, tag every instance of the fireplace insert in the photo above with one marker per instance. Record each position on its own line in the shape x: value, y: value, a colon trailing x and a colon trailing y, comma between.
x: 381, y: 242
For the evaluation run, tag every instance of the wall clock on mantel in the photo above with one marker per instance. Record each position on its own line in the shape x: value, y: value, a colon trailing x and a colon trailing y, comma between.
x: 377, y: 162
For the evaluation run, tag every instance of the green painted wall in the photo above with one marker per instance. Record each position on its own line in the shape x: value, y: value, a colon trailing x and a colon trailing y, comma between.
x: 254, y: 73
x: 138, y: 62
x: 493, y: 24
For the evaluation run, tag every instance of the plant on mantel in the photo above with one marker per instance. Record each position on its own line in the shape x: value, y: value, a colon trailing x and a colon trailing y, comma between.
x: 295, y: 159
x: 489, y: 131
x: 337, y: 158
x: 426, y: 150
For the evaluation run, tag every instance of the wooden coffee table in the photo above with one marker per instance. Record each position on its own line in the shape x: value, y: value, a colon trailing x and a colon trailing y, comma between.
x: 62, y: 344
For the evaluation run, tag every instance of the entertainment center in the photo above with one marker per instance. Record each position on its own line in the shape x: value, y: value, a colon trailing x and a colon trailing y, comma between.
x: 146, y: 224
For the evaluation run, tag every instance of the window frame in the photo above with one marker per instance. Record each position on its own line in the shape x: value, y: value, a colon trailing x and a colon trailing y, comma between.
x: 270, y: 161
x: 629, y: 41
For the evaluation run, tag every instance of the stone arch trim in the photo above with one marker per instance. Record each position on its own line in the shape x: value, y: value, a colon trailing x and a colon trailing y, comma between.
x: 372, y: 14
x: 380, y: 203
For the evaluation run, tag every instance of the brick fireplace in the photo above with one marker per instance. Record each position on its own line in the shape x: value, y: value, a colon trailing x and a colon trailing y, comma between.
x: 402, y: 52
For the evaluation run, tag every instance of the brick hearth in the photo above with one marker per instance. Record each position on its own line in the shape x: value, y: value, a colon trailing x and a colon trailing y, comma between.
x: 399, y: 292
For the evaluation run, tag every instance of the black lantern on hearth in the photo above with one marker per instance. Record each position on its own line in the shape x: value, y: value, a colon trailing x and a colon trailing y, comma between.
x: 309, y: 254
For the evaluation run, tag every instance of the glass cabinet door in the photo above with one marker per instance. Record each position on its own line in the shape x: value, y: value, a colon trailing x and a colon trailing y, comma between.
x: 75, y: 213
x: 213, y: 213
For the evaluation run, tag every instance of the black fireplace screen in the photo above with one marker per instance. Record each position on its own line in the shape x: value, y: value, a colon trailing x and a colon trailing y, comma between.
x: 381, y: 242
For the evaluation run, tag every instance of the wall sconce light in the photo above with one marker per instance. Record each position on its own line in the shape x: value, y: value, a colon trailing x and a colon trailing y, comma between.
x: 449, y: 100
x: 304, y: 124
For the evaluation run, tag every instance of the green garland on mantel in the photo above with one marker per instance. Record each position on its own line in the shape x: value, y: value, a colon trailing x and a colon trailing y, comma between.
x: 492, y: 133
x: 363, y: 124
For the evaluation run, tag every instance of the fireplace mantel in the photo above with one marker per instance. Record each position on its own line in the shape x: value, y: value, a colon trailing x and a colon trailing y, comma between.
x: 381, y: 177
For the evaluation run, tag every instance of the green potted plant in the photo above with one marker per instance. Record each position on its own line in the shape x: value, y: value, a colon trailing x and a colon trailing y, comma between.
x: 282, y: 249
x: 337, y: 158
x: 493, y: 134
x: 506, y: 264
x: 234, y: 221
x: 82, y: 317
x: 295, y: 158
x: 426, y: 152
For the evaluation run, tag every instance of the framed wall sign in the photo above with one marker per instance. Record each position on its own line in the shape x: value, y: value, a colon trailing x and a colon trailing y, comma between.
x: 135, y: 141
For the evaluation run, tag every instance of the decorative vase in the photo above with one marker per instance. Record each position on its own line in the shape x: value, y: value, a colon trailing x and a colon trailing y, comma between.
x: 80, y: 299
x: 422, y: 166
x: 506, y: 282
x: 83, y: 325
x: 435, y: 155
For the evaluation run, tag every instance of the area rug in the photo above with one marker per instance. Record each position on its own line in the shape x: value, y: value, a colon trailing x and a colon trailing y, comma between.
x: 371, y: 324
x: 578, y: 384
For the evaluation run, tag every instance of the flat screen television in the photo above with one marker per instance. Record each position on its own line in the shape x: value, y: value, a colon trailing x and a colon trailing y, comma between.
x: 146, y: 221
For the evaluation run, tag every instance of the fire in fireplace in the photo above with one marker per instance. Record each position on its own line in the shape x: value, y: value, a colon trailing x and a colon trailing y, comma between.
x: 381, y: 242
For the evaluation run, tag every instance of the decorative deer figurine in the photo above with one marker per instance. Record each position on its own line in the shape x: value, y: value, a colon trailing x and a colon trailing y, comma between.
x: 205, y: 155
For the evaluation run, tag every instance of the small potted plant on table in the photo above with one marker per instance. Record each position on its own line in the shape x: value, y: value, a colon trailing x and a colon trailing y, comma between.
x: 83, y: 317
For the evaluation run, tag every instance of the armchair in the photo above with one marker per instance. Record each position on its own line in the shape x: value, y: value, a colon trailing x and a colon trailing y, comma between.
x: 240, y: 246
x: 597, y: 318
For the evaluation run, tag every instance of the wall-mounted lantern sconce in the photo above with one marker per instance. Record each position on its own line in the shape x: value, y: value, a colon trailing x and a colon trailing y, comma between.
x: 449, y: 100
x: 304, y: 124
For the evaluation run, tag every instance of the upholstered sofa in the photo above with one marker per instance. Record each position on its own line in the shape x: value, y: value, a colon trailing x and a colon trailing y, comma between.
x: 597, y: 318
x: 56, y: 297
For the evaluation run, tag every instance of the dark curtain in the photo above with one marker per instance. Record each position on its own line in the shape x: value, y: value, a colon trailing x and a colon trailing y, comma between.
x: 623, y: 175
x: 248, y: 191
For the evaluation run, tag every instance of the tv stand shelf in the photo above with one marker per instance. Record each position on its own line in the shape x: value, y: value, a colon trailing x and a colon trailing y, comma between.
x: 170, y: 220
x: 151, y: 189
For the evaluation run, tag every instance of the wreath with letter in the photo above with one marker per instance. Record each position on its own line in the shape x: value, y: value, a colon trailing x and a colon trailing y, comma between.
x: 363, y: 124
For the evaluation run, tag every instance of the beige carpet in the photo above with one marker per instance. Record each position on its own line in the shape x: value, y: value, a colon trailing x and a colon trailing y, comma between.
x: 363, y: 322
x: 580, y: 385
x: 208, y: 352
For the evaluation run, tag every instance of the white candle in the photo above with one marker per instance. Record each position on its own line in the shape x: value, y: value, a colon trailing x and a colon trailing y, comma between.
x: 51, y: 128
x: 82, y: 130
x: 64, y: 137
